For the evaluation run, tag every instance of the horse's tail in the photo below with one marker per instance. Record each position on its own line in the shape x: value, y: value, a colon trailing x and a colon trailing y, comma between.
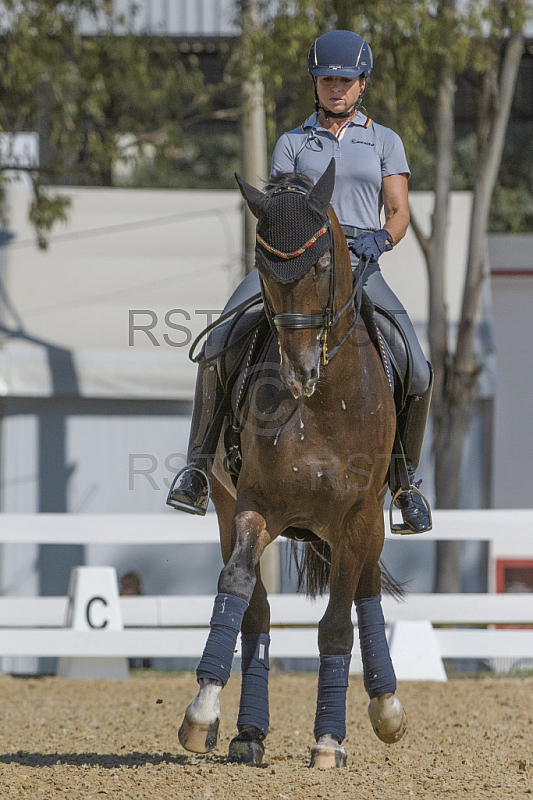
x: 390, y: 585
x: 313, y: 563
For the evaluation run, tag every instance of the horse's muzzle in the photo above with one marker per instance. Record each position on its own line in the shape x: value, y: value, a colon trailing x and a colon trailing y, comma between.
x: 301, y: 382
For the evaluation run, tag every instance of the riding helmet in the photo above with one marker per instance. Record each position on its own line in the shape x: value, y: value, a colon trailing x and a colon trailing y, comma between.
x: 342, y: 53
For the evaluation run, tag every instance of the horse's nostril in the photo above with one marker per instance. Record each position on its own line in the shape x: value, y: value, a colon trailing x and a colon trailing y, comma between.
x: 313, y: 374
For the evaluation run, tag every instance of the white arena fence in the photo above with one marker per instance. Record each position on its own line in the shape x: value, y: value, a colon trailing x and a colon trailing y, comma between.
x: 423, y: 630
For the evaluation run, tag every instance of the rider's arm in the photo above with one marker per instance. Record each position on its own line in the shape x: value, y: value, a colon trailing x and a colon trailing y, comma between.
x: 395, y: 205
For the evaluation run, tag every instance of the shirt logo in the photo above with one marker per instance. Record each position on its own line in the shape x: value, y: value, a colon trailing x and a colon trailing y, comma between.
x: 360, y: 141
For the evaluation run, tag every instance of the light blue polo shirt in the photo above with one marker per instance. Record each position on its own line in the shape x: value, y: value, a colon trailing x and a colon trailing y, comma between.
x: 364, y: 153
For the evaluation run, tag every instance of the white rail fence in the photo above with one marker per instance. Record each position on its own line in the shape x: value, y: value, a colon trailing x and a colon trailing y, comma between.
x: 422, y: 630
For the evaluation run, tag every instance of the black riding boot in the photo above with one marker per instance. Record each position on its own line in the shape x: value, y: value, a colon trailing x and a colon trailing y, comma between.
x: 416, y: 513
x: 190, y: 488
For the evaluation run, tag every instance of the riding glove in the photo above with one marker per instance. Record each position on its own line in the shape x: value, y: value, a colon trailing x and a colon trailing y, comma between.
x: 372, y: 245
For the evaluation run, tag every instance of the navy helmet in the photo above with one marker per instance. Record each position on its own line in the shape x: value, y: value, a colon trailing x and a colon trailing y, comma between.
x: 342, y: 53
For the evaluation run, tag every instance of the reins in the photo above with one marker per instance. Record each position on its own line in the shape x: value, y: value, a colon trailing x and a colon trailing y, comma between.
x: 254, y: 300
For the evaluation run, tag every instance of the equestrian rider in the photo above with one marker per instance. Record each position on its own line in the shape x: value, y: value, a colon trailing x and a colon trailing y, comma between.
x: 371, y: 176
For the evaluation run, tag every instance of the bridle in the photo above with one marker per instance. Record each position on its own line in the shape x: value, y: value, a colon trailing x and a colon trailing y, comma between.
x: 329, y: 318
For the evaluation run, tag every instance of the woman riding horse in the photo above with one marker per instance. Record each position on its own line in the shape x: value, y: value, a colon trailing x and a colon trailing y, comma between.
x: 286, y: 481
x: 371, y: 173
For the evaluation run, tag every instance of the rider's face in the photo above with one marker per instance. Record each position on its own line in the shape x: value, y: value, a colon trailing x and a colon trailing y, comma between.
x: 339, y: 94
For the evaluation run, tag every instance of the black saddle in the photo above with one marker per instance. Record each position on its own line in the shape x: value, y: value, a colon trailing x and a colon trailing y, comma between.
x: 392, y: 346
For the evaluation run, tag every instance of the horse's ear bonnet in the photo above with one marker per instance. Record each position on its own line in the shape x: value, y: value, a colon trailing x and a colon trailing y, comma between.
x: 289, y: 216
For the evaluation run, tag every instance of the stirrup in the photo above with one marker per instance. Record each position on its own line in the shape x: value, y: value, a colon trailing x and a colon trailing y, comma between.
x: 180, y: 506
x: 402, y: 528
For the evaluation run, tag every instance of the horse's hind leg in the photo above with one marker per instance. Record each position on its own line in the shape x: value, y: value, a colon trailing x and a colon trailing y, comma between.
x: 385, y: 710
x: 247, y: 747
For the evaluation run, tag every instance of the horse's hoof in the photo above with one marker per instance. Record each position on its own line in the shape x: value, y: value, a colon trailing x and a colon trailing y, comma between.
x: 246, y: 748
x: 198, y: 737
x: 388, y: 718
x: 327, y: 753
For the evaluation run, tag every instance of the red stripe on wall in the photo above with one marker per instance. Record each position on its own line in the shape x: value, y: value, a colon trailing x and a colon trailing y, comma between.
x: 511, y: 273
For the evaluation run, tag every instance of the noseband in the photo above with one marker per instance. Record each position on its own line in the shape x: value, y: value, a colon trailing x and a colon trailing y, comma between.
x: 328, y: 319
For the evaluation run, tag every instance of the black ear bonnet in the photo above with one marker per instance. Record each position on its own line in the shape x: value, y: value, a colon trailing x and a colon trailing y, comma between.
x: 292, y: 225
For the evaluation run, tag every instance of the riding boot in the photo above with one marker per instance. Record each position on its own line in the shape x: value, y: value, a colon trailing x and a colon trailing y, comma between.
x: 412, y: 421
x: 190, y: 488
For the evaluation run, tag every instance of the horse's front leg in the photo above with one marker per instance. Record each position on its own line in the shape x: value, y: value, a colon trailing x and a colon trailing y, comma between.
x: 335, y: 642
x: 385, y: 710
x: 199, y: 730
x: 247, y: 747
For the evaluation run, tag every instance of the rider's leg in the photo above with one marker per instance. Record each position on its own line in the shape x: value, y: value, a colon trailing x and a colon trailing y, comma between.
x: 190, y: 489
x: 412, y: 420
x: 411, y: 427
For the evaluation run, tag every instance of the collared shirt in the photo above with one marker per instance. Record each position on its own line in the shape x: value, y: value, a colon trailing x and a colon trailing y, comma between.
x: 364, y: 154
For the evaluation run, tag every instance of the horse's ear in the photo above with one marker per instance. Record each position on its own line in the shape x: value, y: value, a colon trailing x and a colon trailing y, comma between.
x: 320, y: 195
x: 256, y: 200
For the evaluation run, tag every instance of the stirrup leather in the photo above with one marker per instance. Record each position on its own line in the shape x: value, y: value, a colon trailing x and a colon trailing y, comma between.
x: 402, y: 528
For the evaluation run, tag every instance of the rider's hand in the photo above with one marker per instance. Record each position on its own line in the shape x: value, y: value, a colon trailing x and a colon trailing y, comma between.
x: 371, y: 245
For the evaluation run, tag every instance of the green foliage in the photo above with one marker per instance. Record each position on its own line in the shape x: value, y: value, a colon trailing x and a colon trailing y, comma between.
x: 136, y: 111
x: 85, y: 94
x: 512, y: 203
x: 45, y: 210
x: 411, y: 41
x: 204, y: 161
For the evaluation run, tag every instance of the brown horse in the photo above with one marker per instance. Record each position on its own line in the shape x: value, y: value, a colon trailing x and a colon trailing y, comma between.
x: 315, y: 454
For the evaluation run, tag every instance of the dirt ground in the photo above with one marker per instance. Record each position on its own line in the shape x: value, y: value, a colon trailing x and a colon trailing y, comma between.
x: 86, y: 740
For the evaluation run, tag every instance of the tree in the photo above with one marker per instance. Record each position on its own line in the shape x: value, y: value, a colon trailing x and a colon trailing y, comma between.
x: 494, y: 63
x: 95, y: 100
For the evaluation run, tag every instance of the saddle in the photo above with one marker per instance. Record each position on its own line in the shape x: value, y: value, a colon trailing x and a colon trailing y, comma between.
x: 393, y: 348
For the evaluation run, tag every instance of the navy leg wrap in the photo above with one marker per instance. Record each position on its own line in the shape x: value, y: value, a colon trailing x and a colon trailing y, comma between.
x: 378, y: 672
x: 253, y: 708
x: 228, y: 611
x: 330, y: 715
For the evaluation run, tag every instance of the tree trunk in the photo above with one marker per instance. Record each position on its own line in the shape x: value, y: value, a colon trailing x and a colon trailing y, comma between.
x: 254, y: 146
x: 449, y: 435
x: 454, y: 407
x: 446, y: 421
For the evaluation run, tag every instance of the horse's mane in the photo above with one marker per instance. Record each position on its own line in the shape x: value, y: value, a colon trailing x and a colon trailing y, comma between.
x: 289, y: 179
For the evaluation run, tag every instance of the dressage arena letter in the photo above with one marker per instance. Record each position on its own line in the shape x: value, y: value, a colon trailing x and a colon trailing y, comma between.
x: 94, y: 608
x: 101, y: 600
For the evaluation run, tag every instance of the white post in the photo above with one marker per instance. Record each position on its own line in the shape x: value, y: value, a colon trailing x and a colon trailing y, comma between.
x: 94, y: 606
